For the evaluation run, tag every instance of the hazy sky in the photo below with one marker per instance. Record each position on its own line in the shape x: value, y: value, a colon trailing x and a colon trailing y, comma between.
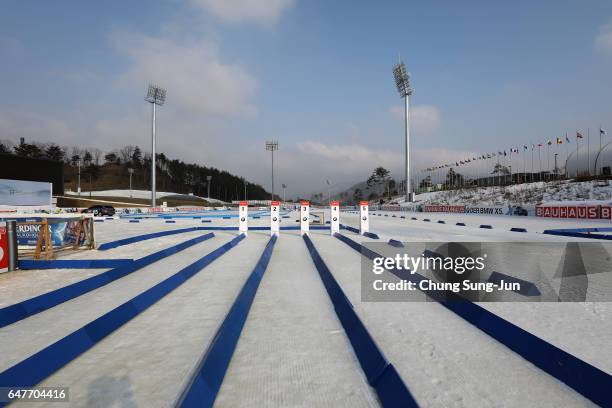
x: 314, y: 74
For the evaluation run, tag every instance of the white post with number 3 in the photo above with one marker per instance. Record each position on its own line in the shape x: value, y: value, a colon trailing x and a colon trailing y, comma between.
x: 364, y: 217
x: 274, y: 218
x: 243, y: 217
x: 335, y: 217
x: 304, y: 217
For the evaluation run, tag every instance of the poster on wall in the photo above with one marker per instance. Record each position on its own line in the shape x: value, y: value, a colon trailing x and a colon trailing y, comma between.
x: 20, y: 193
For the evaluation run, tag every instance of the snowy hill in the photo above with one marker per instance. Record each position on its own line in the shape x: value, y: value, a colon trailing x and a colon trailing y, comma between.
x: 135, y: 194
x: 528, y: 193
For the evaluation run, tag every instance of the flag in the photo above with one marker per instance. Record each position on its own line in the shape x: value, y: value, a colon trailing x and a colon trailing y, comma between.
x: 505, y: 153
x: 559, y: 141
x: 602, y: 132
x: 525, y: 147
x: 540, y: 145
x: 579, y: 135
x: 567, y: 139
x: 549, y: 142
x: 532, y: 147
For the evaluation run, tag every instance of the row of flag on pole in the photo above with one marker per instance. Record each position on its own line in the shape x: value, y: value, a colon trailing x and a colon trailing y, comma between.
x: 549, y: 142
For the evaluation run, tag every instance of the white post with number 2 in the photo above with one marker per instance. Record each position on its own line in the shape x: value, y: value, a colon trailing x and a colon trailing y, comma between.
x: 364, y: 217
x: 274, y: 218
x: 243, y: 217
x: 335, y: 217
x: 304, y: 217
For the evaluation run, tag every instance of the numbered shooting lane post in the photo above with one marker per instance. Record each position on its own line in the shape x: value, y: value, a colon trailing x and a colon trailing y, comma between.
x: 243, y: 217
x: 364, y: 217
x: 304, y: 217
x: 335, y: 217
x: 274, y: 218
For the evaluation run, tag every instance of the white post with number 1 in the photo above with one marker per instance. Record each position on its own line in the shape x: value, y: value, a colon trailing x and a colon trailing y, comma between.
x: 274, y: 218
x: 304, y: 217
x: 364, y: 217
x: 243, y: 217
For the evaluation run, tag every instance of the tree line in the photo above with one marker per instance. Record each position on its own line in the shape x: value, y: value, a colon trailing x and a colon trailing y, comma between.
x: 172, y: 174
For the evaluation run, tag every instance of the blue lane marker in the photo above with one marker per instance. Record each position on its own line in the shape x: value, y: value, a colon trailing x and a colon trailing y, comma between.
x: 413, y: 218
x: 526, y: 288
x: 381, y: 374
x: 39, y: 366
x: 37, y: 304
x: 586, y: 379
x: 349, y: 228
x: 460, y: 224
x: 134, y: 220
x: 396, y: 243
x: 371, y: 235
x: 580, y: 233
x: 426, y: 220
x: 206, y: 221
x: 515, y: 229
x: 74, y: 263
x: 486, y: 226
x: 170, y: 222
x: 126, y: 241
x: 98, y: 220
x: 109, y: 218
x: 441, y: 222
x: 205, y: 384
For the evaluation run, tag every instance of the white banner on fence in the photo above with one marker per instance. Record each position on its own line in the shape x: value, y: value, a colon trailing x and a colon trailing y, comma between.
x: 20, y: 193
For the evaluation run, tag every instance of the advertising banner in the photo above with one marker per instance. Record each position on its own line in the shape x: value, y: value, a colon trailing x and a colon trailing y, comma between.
x: 575, y: 211
x: 444, y: 208
x: 19, y: 193
x: 3, y: 248
x: 62, y: 231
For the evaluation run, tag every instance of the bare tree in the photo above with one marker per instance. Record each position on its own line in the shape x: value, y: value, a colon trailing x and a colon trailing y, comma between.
x: 97, y: 154
x: 126, y: 153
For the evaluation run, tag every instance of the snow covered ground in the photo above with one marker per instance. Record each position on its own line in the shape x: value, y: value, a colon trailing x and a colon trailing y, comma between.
x: 134, y: 194
x: 293, y: 350
x: 526, y: 194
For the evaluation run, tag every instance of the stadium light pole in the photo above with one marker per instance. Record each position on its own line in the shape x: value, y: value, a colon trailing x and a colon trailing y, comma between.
x: 156, y: 96
x: 284, y: 196
x: 208, y: 179
x: 272, y: 145
x: 328, y: 190
x: 402, y: 81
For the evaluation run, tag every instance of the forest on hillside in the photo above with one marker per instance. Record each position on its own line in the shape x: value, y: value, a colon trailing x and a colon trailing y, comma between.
x: 110, y: 170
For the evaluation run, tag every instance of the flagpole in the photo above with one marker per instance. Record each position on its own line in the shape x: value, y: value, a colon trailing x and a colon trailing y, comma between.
x: 598, y: 153
x: 566, y: 154
x: 548, y: 159
x: 540, y: 165
x: 532, y: 147
x: 588, y: 150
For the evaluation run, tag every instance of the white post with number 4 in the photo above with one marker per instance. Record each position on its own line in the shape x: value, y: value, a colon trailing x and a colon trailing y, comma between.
x: 335, y: 217
x: 304, y: 217
x: 274, y: 218
x: 364, y: 217
x: 243, y: 217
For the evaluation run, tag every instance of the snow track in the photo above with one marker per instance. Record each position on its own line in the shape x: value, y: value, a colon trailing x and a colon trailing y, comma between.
x: 293, y: 349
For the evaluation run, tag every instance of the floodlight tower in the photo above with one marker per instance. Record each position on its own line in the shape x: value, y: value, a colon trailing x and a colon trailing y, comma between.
x: 156, y: 96
x: 208, y: 179
x: 402, y: 81
x: 272, y: 145
x: 284, y: 196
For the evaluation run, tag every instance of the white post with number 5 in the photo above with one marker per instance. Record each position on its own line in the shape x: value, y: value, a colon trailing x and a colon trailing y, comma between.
x: 243, y: 217
x: 364, y: 217
x: 304, y: 217
x: 335, y: 217
x: 274, y: 218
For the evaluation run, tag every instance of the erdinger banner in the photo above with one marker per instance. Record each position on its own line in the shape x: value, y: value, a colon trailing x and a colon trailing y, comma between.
x: 444, y: 208
x: 62, y: 231
x: 487, y: 272
x: 575, y: 211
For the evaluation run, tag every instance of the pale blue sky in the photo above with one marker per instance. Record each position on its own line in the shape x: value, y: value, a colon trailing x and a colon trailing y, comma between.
x: 314, y: 74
